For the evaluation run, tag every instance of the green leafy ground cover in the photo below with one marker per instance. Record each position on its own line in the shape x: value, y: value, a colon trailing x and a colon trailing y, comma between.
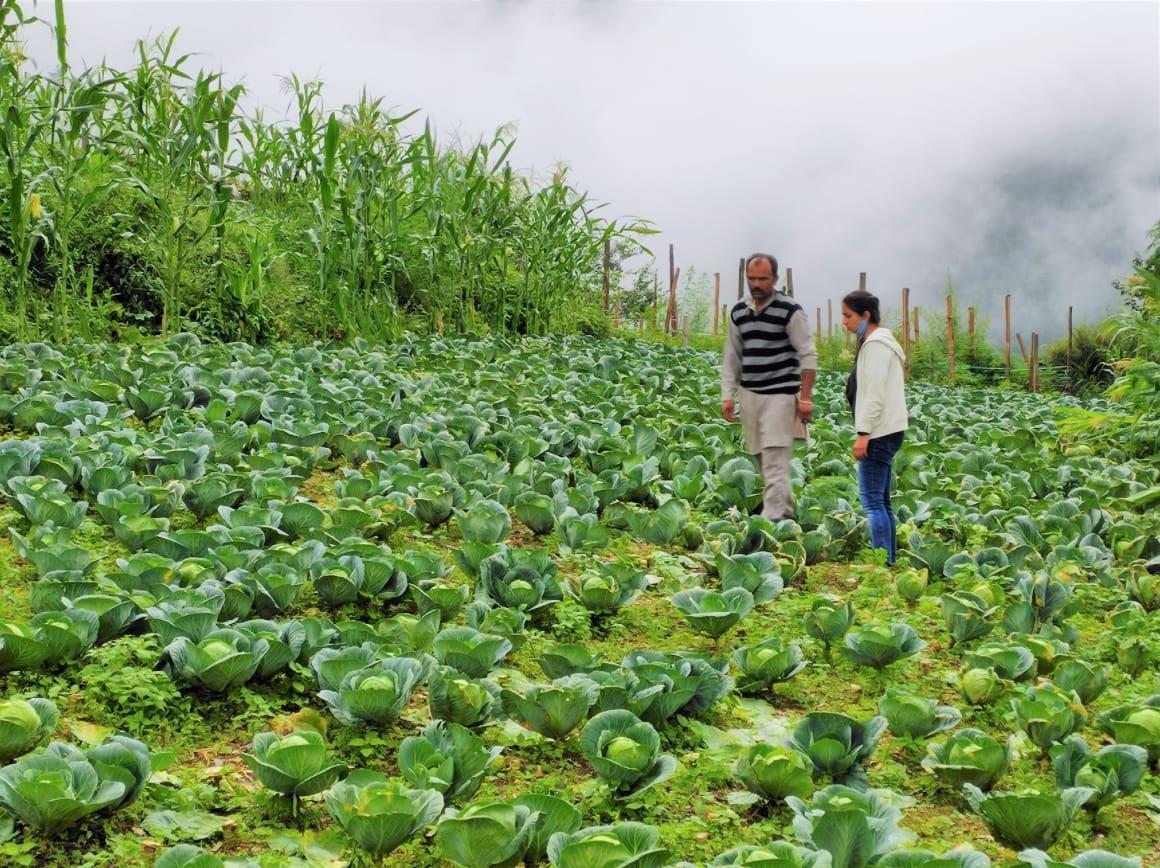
x: 550, y: 493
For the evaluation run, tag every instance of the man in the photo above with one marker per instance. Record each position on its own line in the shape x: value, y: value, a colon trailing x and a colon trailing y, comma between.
x: 770, y: 358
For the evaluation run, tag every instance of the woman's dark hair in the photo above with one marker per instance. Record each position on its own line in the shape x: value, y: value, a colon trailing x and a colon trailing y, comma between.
x: 861, y: 301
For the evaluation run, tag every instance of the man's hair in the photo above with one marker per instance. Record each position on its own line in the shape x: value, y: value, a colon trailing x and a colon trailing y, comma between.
x: 768, y: 257
x: 861, y: 301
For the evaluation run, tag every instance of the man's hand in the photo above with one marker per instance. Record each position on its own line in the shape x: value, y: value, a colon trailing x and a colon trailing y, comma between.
x: 861, y: 445
x: 805, y: 410
x: 728, y: 411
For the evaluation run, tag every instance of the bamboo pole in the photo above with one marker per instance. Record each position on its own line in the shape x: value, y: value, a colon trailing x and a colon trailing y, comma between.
x: 950, y: 338
x: 789, y: 282
x: 671, y: 313
x: 607, y: 273
x: 1034, y: 376
x: 906, y: 332
x: 741, y: 279
x: 671, y: 262
x: 1007, y: 334
x: 1069, y: 333
x: 716, y: 299
x: 671, y: 307
x: 1022, y: 348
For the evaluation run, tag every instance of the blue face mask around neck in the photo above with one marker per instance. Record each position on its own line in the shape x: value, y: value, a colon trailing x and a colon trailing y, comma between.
x: 862, y: 326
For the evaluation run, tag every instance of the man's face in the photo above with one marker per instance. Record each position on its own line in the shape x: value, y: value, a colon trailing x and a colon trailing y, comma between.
x: 759, y: 274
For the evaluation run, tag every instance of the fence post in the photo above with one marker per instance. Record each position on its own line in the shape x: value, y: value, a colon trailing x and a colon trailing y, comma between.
x: 1034, y: 377
x: 906, y: 332
x: 1068, y: 339
x: 671, y: 313
x: 1007, y: 334
x: 950, y: 337
x: 671, y: 263
x: 741, y: 279
x: 607, y: 272
x: 716, y: 299
x: 789, y: 282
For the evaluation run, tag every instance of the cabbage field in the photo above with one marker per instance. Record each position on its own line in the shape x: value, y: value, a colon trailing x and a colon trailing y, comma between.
x: 468, y: 601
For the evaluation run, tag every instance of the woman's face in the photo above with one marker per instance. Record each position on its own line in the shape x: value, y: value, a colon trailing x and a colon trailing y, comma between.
x: 851, y: 320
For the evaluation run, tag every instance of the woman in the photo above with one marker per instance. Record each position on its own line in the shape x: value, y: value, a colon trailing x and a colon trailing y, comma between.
x: 878, y: 398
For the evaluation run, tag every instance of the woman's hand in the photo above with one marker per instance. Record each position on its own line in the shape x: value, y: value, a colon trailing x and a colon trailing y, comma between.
x: 861, y: 446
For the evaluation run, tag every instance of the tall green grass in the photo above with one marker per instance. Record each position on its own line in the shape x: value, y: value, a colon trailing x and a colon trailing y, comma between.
x: 148, y: 198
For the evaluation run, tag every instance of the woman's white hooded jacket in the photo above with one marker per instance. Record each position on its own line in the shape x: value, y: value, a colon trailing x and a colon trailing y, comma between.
x: 880, y: 405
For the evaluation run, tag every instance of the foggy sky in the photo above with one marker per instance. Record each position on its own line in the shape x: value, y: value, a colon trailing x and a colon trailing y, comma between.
x: 1017, y: 144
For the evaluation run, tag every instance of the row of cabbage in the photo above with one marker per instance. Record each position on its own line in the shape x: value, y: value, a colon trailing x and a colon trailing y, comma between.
x: 195, y: 588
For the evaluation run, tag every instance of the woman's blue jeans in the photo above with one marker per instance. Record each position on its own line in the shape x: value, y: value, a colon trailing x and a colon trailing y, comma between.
x: 874, y: 472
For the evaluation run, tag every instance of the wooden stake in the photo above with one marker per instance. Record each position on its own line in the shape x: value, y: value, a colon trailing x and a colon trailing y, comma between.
x: 1022, y: 348
x: 1007, y: 334
x: 716, y: 299
x: 741, y: 279
x: 789, y: 282
x: 829, y: 319
x: 671, y: 314
x: 819, y: 329
x: 971, y: 330
x: 671, y: 270
x: 1069, y: 310
x: 906, y: 332
x: 916, y: 318
x: 950, y: 338
x: 607, y: 273
x: 725, y: 319
x: 862, y: 281
x: 1034, y: 375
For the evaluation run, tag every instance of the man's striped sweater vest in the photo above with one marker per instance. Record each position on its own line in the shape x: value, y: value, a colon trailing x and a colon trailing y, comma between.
x: 769, y: 362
